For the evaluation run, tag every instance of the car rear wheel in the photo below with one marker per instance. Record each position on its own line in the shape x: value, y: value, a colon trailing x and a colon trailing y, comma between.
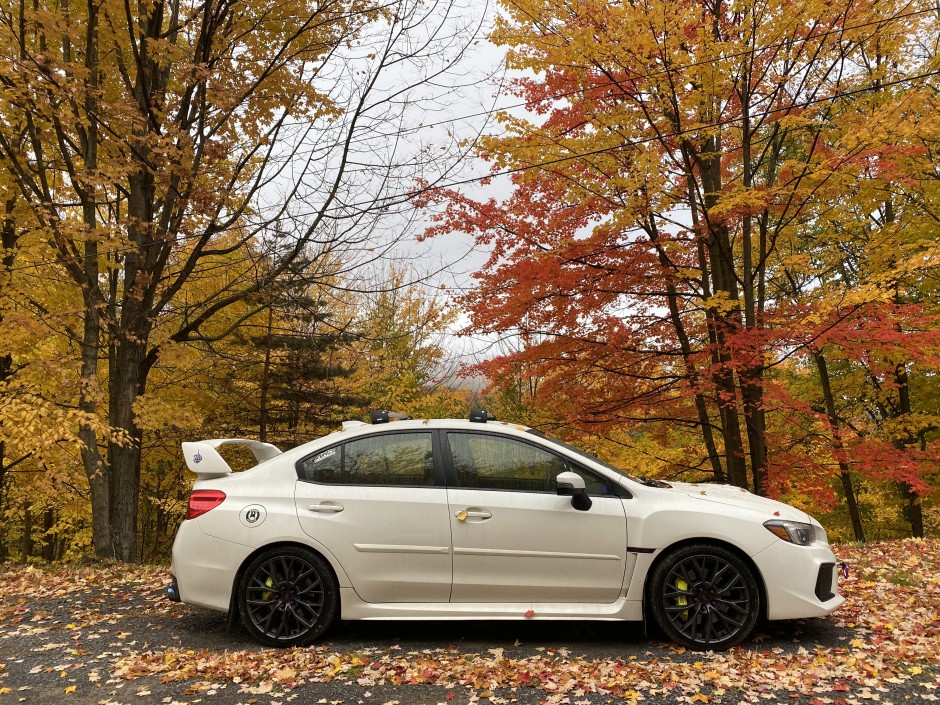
x: 288, y: 596
x: 704, y: 597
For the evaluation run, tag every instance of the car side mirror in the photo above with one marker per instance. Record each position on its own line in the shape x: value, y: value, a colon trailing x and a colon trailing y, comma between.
x: 571, y: 484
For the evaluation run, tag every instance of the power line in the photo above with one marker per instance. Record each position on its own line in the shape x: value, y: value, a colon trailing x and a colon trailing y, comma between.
x: 695, y: 64
x: 404, y: 198
x: 659, y: 137
x: 639, y: 76
x: 661, y: 72
x: 645, y: 76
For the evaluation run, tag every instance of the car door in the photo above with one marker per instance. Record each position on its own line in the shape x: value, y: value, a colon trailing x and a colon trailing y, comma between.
x: 378, y: 504
x: 515, y: 539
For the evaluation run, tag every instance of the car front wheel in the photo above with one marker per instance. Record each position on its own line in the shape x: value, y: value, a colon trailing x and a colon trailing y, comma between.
x: 704, y: 597
x: 287, y: 597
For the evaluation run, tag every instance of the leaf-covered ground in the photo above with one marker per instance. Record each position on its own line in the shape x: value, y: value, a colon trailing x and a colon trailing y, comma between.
x: 100, y: 634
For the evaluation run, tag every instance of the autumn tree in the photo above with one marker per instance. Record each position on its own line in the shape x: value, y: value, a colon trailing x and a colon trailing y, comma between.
x: 280, y: 375
x: 397, y: 354
x: 671, y: 160
x: 863, y: 270
x: 146, y: 145
x: 38, y: 432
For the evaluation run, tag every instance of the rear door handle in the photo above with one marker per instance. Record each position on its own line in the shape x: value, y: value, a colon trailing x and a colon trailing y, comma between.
x: 326, y: 508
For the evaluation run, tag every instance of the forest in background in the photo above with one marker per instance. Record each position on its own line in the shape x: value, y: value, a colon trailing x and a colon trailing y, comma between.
x: 718, y: 261
x: 286, y: 375
x: 194, y: 198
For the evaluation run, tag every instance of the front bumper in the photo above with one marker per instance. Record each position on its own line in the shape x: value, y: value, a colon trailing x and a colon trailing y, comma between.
x: 800, y: 581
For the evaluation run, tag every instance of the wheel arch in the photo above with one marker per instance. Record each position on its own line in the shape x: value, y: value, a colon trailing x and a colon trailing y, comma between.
x: 234, y: 614
x: 705, y: 541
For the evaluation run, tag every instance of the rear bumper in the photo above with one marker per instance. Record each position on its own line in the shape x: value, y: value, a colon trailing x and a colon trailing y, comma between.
x: 204, y: 567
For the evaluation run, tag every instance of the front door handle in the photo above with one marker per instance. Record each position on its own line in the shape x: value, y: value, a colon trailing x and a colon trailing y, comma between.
x: 465, y: 514
x: 326, y: 508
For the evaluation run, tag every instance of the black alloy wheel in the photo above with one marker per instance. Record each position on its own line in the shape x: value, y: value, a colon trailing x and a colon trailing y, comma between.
x: 704, y: 597
x: 288, y: 596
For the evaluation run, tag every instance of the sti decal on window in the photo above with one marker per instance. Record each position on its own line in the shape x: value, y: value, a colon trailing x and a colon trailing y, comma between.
x: 324, y: 455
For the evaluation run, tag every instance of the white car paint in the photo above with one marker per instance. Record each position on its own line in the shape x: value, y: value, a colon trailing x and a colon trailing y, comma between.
x: 436, y: 552
x: 394, y: 542
x: 536, y: 548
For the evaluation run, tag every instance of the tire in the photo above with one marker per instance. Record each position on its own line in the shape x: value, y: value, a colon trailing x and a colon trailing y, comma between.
x: 288, y: 596
x: 704, y: 597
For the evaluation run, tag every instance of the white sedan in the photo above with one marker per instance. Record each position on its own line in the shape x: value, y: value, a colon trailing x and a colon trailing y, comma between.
x: 456, y: 519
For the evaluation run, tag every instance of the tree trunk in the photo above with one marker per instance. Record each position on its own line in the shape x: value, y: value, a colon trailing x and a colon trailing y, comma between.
x: 130, y: 335
x: 912, y: 510
x: 48, y: 537
x: 725, y: 316
x: 845, y: 474
x: 694, y: 374
x: 263, y: 412
x: 130, y: 362
x: 26, y: 541
x: 715, y: 279
x: 124, y: 458
x: 87, y: 275
x: 4, y: 549
x: 730, y: 422
x: 8, y: 239
x: 96, y: 471
x: 752, y: 394
x: 752, y: 375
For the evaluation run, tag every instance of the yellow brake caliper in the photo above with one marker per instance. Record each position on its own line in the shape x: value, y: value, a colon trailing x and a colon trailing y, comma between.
x: 266, y: 595
x: 682, y: 600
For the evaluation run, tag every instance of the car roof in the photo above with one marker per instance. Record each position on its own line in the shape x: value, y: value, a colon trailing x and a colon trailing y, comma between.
x: 355, y: 429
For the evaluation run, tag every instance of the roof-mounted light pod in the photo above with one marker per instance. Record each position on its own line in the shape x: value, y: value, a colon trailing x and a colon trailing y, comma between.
x: 481, y: 416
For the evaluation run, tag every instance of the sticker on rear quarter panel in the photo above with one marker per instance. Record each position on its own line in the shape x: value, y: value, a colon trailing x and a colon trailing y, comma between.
x: 252, y: 515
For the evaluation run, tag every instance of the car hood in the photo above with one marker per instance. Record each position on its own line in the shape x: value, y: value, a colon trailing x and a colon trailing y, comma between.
x: 738, y: 497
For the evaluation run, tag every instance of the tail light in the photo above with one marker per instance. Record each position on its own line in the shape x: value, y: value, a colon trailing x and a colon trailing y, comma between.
x: 201, y: 501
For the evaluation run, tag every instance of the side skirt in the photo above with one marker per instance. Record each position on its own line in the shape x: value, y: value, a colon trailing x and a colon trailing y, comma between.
x: 353, y: 608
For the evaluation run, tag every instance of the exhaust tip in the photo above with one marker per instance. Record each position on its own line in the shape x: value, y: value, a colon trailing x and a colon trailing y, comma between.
x: 173, y: 592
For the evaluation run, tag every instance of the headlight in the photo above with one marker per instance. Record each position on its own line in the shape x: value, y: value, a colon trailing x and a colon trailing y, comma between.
x: 792, y: 531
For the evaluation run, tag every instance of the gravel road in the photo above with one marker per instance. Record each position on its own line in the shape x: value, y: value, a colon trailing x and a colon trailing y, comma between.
x: 82, y: 645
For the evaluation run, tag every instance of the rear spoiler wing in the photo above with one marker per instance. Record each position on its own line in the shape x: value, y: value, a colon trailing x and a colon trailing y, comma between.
x: 204, y: 460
